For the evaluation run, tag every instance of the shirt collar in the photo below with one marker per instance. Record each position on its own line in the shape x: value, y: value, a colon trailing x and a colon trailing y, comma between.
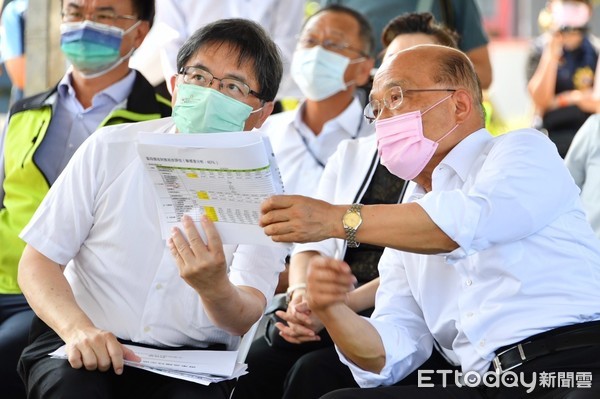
x: 117, y: 92
x: 465, y: 153
x: 350, y: 120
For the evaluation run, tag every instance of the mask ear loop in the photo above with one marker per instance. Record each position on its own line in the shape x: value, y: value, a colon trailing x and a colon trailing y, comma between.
x: 256, y: 110
x: 431, y: 107
x: 132, y: 27
x: 437, y: 103
x: 354, y: 61
x: 444, y: 136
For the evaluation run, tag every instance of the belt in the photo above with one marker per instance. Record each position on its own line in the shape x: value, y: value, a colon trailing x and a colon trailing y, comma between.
x: 556, y: 340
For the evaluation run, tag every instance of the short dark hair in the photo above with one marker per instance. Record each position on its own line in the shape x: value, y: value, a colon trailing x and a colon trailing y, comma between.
x: 365, y: 31
x: 252, y: 43
x: 418, y: 23
x: 145, y: 9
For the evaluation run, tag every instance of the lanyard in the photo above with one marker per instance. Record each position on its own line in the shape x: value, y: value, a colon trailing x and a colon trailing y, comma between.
x: 312, y: 153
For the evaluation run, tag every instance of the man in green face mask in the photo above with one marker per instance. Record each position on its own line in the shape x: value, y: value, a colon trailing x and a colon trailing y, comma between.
x: 43, y: 132
x: 121, y: 284
x: 217, y: 92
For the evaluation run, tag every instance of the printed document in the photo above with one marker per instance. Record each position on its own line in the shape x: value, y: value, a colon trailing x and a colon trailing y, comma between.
x: 224, y: 176
x: 199, y: 366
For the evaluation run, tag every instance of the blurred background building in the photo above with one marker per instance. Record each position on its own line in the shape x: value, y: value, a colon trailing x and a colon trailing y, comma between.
x: 511, y: 25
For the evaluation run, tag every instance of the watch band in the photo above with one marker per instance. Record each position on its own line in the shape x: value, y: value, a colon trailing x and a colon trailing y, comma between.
x: 351, y: 231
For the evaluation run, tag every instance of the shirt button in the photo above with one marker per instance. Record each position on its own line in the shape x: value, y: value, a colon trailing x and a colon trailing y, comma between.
x: 482, y: 343
x: 468, y: 282
x: 159, y: 286
x: 146, y: 329
x: 470, y: 314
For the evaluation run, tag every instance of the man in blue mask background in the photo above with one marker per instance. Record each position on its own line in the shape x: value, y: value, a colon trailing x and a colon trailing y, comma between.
x: 122, y: 282
x: 43, y: 132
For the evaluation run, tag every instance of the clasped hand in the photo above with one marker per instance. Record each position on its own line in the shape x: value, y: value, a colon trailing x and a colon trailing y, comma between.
x: 329, y: 281
x: 301, y: 324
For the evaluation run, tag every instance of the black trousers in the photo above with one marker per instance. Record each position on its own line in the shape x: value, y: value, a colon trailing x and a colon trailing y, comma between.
x: 45, y: 377
x: 560, y: 368
x: 304, y: 371
x: 15, y: 319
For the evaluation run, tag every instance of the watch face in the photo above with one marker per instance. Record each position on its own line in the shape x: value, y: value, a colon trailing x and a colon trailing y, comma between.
x: 352, y: 219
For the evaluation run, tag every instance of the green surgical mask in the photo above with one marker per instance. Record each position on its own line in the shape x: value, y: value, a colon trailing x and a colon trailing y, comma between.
x: 204, y: 110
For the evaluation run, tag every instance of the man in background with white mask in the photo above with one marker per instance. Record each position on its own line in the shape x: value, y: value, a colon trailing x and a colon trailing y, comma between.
x: 43, y: 132
x: 121, y: 283
x: 332, y: 58
x: 489, y: 256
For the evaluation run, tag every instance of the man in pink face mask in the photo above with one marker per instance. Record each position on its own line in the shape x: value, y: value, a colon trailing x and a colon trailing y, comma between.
x: 482, y: 255
x: 402, y: 108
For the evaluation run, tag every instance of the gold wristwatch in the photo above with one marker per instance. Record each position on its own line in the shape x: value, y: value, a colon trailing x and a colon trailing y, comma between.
x: 352, y: 221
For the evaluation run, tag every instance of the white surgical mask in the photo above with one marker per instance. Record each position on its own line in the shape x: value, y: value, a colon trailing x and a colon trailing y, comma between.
x: 319, y: 73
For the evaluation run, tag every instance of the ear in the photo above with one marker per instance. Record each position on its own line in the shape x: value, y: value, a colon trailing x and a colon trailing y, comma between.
x: 264, y: 113
x: 363, y: 73
x: 172, y: 90
x: 463, y: 103
x: 140, y: 33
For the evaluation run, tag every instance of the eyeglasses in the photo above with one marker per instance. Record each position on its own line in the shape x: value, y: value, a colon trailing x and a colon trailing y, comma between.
x: 392, y: 99
x: 229, y: 86
x: 335, y: 45
x: 107, y: 17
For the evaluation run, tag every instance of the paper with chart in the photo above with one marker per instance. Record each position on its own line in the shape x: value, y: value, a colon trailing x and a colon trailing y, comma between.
x: 224, y: 176
x: 199, y: 366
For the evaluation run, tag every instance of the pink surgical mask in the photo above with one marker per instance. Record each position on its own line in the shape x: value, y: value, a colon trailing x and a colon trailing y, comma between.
x: 403, y: 148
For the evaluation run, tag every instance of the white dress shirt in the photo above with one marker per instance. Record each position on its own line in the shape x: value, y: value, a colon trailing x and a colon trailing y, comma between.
x: 101, y: 214
x: 583, y: 161
x: 527, y: 261
x: 301, y: 155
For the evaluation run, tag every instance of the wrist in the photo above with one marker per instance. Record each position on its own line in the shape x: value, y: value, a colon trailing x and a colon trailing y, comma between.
x: 292, y: 289
x: 337, y: 228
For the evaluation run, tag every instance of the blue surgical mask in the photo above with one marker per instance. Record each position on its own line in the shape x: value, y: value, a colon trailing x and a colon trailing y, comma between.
x: 319, y: 73
x: 93, y: 48
x: 204, y: 110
